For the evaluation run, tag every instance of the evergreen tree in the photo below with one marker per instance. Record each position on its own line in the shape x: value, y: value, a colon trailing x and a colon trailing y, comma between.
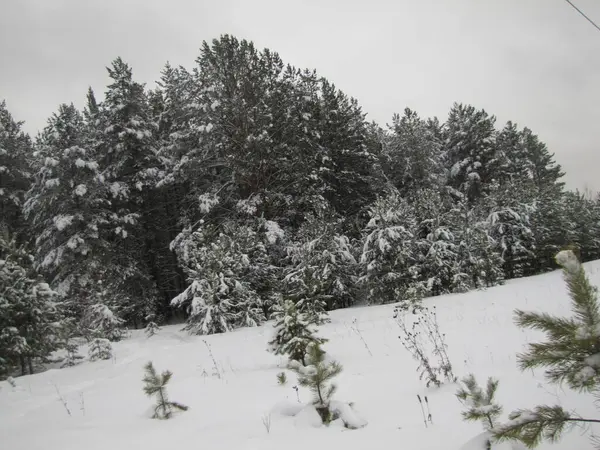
x: 30, y: 313
x: 389, y: 255
x: 479, y: 265
x: 481, y: 406
x: 102, y: 322
x: 317, y: 376
x: 347, y: 163
x: 510, y: 227
x: 570, y: 356
x: 131, y: 168
x: 156, y: 385
x: 15, y: 170
x: 79, y: 237
x: 220, y: 297
x: 412, y: 155
x: 100, y: 348
x: 321, y: 271
x: 294, y: 332
x: 470, y: 152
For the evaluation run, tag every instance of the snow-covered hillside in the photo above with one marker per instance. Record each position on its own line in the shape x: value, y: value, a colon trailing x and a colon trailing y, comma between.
x: 108, y: 409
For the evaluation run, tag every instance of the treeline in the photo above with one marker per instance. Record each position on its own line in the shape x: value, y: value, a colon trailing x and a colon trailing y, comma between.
x: 246, y: 182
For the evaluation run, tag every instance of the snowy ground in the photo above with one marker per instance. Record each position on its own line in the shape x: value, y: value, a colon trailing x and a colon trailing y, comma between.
x: 109, y: 410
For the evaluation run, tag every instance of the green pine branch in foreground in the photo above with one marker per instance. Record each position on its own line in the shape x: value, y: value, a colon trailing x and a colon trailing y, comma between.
x: 571, y: 355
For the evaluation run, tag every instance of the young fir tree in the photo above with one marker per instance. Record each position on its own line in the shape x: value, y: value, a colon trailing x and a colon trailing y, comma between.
x: 571, y: 355
x: 294, y: 332
x: 156, y: 385
x: 481, y: 406
x: 317, y: 376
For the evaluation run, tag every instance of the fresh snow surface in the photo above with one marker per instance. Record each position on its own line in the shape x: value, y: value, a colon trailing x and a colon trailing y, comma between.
x: 230, y: 404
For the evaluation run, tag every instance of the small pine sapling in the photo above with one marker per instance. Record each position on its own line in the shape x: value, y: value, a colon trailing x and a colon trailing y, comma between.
x: 570, y: 355
x: 72, y: 358
x: 317, y: 376
x: 294, y: 332
x: 100, y: 349
x: 155, y: 385
x: 151, y: 329
x: 282, y: 378
x: 480, y: 405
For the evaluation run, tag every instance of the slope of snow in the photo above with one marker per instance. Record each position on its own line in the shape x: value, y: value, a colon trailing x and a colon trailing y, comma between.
x: 230, y: 404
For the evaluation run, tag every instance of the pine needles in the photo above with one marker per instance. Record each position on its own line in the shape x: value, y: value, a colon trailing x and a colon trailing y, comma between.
x: 481, y: 405
x: 155, y: 385
x: 571, y: 355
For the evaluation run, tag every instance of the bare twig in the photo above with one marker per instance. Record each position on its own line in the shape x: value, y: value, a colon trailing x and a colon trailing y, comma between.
x: 266, y: 420
x: 422, y: 410
x: 62, y: 399
x: 357, y: 331
x: 216, y: 370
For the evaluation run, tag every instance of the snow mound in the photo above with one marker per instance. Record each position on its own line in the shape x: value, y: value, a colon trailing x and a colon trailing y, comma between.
x: 347, y: 415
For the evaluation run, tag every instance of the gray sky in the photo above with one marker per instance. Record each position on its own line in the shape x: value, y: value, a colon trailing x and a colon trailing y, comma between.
x: 536, y: 62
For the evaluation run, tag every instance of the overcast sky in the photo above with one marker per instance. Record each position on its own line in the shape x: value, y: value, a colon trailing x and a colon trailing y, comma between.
x: 535, y: 62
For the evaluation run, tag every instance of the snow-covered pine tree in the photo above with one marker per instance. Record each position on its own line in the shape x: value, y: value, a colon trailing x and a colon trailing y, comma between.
x: 131, y: 169
x: 390, y: 252
x: 317, y: 376
x: 30, y: 313
x: 348, y: 165
x: 571, y: 355
x: 69, y: 211
x: 321, y: 270
x: 479, y: 265
x: 219, y: 298
x: 470, y: 152
x: 581, y: 224
x: 15, y: 170
x: 151, y: 329
x: 549, y: 218
x: 480, y: 406
x: 294, y: 331
x: 411, y: 155
x: 101, y: 322
x: 156, y: 385
x: 510, y: 227
x: 100, y: 348
x: 437, y: 245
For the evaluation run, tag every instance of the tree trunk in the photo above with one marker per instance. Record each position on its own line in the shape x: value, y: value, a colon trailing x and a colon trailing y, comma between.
x: 23, y: 367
